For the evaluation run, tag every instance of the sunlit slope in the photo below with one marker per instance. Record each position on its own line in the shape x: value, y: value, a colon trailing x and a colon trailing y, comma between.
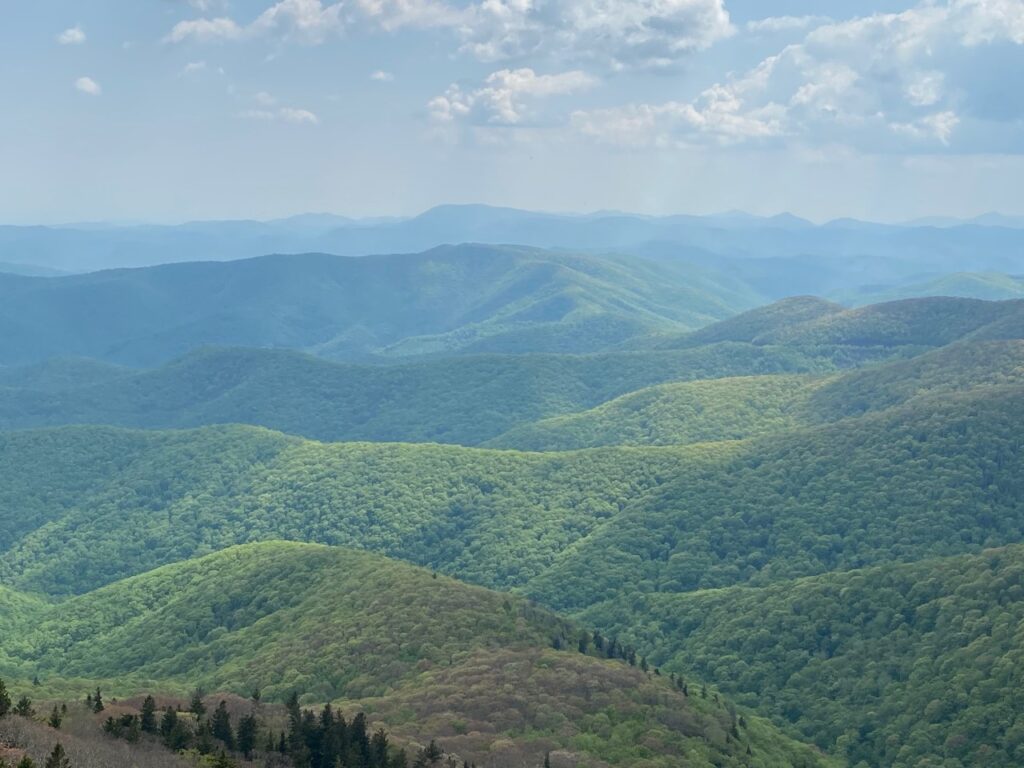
x: 889, y: 665
x: 410, y: 648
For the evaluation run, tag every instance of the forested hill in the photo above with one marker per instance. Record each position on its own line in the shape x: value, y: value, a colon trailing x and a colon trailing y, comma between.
x: 891, y: 665
x: 451, y: 299
x: 457, y: 399
x: 421, y: 654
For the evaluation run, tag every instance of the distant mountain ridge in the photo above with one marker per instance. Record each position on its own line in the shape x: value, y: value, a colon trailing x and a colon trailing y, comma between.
x: 452, y: 299
x: 987, y: 244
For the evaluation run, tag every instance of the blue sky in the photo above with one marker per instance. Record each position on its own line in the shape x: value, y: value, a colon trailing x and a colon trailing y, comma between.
x: 165, y: 110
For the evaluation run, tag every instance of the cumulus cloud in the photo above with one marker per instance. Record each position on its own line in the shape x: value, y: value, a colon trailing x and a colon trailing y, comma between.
x: 88, y: 86
x: 899, y: 80
x: 381, y: 76
x: 503, y: 97
x: 193, y: 67
x: 72, y: 36
x: 620, y: 33
x: 205, y: 30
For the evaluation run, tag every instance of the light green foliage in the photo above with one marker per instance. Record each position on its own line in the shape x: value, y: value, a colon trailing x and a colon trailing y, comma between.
x: 892, y: 665
x: 673, y: 414
x: 412, y: 649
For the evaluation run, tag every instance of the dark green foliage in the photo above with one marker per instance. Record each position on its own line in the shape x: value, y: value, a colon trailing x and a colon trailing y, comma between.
x: 56, y: 718
x: 58, y: 758
x: 97, y: 701
x: 24, y: 707
x: 449, y: 401
x: 5, y: 700
x: 147, y: 718
x: 220, y: 724
x: 248, y: 729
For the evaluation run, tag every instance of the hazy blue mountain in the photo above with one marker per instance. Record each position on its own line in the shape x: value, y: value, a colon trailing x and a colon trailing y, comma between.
x: 458, y: 299
x: 987, y: 244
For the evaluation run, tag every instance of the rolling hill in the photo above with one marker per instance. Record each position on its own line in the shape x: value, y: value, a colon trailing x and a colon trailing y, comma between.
x: 465, y: 400
x: 449, y: 300
x: 409, y: 648
x: 893, y: 665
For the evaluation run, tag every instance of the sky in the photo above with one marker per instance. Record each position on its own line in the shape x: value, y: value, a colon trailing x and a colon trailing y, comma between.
x: 170, y: 110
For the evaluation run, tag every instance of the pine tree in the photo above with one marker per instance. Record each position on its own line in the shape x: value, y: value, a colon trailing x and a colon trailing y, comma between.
x: 547, y: 760
x: 26, y: 762
x: 247, y: 728
x: 196, y: 706
x: 223, y: 761
x: 167, y: 723
x: 5, y: 700
x: 221, y: 722
x: 55, y: 718
x: 58, y: 758
x: 148, y: 720
x: 97, y: 702
x: 24, y: 707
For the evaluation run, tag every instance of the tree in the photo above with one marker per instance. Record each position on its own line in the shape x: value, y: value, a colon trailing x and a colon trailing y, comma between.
x: 26, y: 762
x: 58, y: 758
x: 221, y: 723
x: 55, y: 717
x: 5, y: 699
x: 97, y: 702
x: 167, y: 723
x: 148, y: 719
x: 247, y: 728
x: 196, y: 706
x: 24, y: 707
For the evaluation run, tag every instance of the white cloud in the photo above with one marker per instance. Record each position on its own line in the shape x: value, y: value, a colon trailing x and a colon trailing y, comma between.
x: 88, y: 85
x: 193, y: 67
x: 205, y: 30
x: 309, y: 21
x: 502, y: 99
x: 619, y: 33
x: 785, y: 23
x: 290, y: 115
x: 882, y: 81
x: 285, y: 114
x: 381, y: 76
x: 264, y: 99
x: 72, y: 36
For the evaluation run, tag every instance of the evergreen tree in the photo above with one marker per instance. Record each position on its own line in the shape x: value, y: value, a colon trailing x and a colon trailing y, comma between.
x: 24, y: 707
x: 55, y: 718
x: 148, y: 720
x: 97, y: 702
x: 204, y: 738
x: 247, y: 729
x: 547, y: 760
x: 5, y: 699
x: 167, y: 723
x: 26, y: 762
x: 223, y: 761
x: 196, y: 706
x: 58, y: 758
x: 221, y: 725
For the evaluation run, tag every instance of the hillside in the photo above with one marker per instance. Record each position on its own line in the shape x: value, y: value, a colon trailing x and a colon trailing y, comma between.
x: 990, y: 286
x: 406, y: 646
x: 673, y: 414
x: 451, y: 299
x: 740, y: 408
x: 572, y: 529
x: 890, y: 665
x: 463, y: 400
